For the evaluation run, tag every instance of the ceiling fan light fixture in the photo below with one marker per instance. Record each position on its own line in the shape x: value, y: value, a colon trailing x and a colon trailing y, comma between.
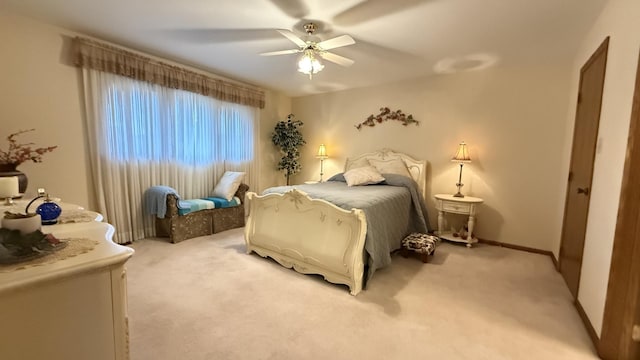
x: 309, y: 64
x: 313, y: 49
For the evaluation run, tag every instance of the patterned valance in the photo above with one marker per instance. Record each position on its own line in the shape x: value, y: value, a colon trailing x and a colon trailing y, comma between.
x: 99, y: 56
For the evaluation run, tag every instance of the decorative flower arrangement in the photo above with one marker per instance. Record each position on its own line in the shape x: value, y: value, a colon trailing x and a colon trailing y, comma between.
x: 19, y: 153
x: 385, y: 115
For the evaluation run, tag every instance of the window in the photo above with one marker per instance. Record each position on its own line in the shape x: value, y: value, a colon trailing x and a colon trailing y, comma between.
x: 142, y: 134
x: 150, y: 123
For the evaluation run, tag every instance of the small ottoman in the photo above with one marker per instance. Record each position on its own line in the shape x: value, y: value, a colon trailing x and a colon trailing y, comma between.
x: 423, y: 244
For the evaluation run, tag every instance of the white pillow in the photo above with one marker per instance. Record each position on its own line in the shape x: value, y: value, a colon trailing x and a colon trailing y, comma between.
x: 357, y: 163
x: 391, y: 166
x: 363, y: 176
x: 228, y: 185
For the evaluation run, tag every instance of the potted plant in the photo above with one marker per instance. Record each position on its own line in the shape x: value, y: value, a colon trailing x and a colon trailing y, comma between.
x: 18, y: 153
x: 288, y: 138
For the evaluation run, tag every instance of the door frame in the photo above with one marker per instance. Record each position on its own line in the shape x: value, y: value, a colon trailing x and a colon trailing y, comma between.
x: 622, y: 305
x: 602, y: 49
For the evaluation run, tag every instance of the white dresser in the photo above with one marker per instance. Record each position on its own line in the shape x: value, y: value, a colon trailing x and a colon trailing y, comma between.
x: 73, y: 309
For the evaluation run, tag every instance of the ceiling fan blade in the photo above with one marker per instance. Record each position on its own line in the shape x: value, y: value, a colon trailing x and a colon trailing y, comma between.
x: 293, y: 37
x: 214, y: 36
x: 339, y: 41
x: 372, y: 9
x: 294, y: 8
x: 335, y: 58
x: 281, y: 52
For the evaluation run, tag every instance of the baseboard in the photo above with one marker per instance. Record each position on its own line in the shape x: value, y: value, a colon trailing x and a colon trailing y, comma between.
x: 587, y: 324
x: 516, y: 247
x: 556, y: 264
x: 522, y: 248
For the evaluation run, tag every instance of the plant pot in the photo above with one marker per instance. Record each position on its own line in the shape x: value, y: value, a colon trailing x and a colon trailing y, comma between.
x: 26, y: 225
x: 7, y: 170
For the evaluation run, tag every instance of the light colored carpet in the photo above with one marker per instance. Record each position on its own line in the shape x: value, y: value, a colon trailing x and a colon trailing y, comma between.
x: 205, y: 298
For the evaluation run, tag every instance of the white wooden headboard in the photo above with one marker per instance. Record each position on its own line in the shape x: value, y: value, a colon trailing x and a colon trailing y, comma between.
x: 417, y: 168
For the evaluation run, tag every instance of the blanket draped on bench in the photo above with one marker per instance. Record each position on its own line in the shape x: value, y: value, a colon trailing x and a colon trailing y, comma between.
x: 188, y: 206
x: 154, y: 201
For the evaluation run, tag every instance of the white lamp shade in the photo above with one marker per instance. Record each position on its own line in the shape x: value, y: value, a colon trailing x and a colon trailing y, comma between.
x: 322, y: 152
x: 9, y: 187
x: 462, y: 154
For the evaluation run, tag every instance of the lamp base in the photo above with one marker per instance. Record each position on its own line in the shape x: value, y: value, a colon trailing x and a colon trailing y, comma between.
x: 459, y: 194
x: 321, y: 168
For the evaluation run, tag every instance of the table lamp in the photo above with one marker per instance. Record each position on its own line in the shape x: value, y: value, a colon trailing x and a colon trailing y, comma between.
x: 9, y: 188
x: 322, y: 155
x: 461, y: 156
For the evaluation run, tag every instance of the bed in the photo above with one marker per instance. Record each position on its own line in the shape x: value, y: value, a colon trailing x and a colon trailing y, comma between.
x: 335, y: 230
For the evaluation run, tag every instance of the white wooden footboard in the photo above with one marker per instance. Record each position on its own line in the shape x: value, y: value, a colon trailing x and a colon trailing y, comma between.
x: 311, y: 236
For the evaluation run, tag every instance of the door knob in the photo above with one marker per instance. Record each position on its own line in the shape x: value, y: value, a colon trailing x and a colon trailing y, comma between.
x: 583, y: 191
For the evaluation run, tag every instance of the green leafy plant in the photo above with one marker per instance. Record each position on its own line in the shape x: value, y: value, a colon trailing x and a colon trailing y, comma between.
x: 288, y: 138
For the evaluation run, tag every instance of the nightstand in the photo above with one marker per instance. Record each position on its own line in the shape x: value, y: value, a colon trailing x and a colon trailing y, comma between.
x: 309, y: 182
x: 457, y: 205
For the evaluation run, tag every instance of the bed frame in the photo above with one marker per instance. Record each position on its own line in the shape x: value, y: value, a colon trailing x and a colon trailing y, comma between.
x: 314, y: 236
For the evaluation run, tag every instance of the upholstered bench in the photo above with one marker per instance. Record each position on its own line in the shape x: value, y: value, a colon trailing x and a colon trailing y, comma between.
x: 202, y: 222
x: 423, y: 244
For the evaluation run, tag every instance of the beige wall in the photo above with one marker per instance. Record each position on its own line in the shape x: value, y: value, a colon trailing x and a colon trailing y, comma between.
x: 619, y: 20
x: 38, y: 89
x: 512, y: 118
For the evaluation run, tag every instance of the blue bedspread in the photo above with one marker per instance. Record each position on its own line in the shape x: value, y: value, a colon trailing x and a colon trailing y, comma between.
x: 393, y: 210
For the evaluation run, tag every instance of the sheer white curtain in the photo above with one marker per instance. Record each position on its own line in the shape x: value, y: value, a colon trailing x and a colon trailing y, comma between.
x: 142, y: 134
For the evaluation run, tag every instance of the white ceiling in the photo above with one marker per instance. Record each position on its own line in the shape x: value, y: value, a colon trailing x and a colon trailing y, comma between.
x: 395, y: 39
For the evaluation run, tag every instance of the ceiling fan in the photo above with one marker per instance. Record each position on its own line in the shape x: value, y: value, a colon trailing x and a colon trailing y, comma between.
x: 312, y: 48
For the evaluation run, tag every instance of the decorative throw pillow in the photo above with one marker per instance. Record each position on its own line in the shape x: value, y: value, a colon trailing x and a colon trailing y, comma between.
x: 354, y: 164
x: 363, y: 176
x: 228, y: 185
x: 390, y: 166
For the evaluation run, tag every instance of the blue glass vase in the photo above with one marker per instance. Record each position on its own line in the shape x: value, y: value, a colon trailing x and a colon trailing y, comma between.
x: 49, y: 212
